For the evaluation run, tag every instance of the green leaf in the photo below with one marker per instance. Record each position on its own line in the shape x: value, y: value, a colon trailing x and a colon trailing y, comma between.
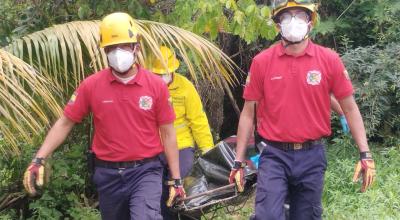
x: 250, y: 10
x: 213, y: 25
x: 265, y: 12
x: 228, y: 4
x: 83, y: 11
x: 238, y: 17
x: 325, y: 27
x: 237, y: 29
x: 234, y: 5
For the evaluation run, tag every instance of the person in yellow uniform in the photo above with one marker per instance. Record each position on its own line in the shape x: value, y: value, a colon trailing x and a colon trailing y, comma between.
x: 191, y: 122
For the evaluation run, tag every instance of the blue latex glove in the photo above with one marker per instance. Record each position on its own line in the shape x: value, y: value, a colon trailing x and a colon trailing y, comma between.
x: 255, y: 160
x: 345, y: 126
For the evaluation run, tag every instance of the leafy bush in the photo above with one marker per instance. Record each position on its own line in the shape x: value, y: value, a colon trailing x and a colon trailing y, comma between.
x: 20, y: 17
x: 67, y: 195
x: 242, y: 18
x: 375, y: 73
x: 358, y: 23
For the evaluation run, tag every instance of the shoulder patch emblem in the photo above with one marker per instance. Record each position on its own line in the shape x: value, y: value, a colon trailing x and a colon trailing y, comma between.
x: 73, y: 98
x: 145, y: 102
x: 170, y: 101
x: 346, y: 74
x: 314, y: 77
x: 247, y: 79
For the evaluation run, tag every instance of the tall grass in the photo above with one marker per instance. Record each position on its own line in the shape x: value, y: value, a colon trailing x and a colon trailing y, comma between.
x: 342, y: 198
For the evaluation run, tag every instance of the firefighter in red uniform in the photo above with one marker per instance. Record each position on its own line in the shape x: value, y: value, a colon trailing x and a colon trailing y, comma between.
x: 293, y: 80
x: 133, y: 121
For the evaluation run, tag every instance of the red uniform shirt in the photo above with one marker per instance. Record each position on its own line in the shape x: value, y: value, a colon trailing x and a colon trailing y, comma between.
x: 294, y: 92
x: 126, y: 116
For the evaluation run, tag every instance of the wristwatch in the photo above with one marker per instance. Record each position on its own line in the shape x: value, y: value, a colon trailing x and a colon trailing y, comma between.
x: 239, y: 164
x: 39, y: 160
x: 175, y: 182
x: 366, y: 155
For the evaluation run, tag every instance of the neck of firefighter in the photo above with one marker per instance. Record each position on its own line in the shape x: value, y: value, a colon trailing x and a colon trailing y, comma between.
x: 295, y: 49
x: 131, y: 72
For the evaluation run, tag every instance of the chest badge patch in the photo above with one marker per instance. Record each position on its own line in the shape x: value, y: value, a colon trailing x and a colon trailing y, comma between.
x: 145, y: 102
x: 314, y: 77
x: 247, y: 79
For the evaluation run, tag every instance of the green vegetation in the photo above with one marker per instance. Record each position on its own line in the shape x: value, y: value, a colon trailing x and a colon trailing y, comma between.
x: 342, y: 199
x: 366, y: 33
x: 375, y: 72
x: 69, y: 193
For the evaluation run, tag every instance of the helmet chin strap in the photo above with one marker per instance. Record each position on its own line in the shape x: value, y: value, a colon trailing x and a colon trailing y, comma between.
x: 172, y: 78
x: 294, y: 42
x: 123, y: 73
x: 288, y: 42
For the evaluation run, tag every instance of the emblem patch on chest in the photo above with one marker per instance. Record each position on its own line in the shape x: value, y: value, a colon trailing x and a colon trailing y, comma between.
x: 145, y: 102
x: 314, y: 77
x: 73, y: 98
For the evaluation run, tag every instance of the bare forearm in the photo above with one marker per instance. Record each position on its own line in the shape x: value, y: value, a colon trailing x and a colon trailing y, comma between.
x: 357, y: 129
x: 168, y: 137
x: 245, y: 129
x: 355, y: 123
x: 243, y: 136
x: 55, y: 136
x: 335, y: 106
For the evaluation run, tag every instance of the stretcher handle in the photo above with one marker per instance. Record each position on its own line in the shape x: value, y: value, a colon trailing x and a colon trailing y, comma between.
x: 232, y: 185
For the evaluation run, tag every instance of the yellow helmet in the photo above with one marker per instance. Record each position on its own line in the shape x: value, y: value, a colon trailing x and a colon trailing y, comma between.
x: 117, y: 28
x: 172, y: 64
x: 280, y: 5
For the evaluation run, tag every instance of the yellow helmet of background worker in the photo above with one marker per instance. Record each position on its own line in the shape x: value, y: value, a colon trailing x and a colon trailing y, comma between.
x: 280, y: 5
x: 117, y: 28
x: 170, y: 61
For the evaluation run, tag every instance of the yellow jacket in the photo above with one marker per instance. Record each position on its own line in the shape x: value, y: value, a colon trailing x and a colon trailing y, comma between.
x: 191, y: 122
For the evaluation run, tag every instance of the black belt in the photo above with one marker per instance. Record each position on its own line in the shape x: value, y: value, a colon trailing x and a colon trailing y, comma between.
x: 123, y: 164
x: 286, y: 146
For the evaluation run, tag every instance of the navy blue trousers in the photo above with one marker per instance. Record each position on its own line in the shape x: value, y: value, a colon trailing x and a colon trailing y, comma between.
x: 298, y: 175
x: 132, y: 193
x: 186, y: 157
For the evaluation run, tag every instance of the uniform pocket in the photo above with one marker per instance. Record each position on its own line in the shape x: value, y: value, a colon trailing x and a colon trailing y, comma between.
x: 99, y: 175
x: 323, y: 156
x: 317, y: 212
x: 94, y: 175
x: 102, y: 176
x: 260, y: 196
x: 153, y: 210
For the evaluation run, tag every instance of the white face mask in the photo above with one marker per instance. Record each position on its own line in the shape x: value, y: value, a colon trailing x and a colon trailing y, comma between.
x: 294, y: 31
x: 120, y: 60
x: 167, y: 78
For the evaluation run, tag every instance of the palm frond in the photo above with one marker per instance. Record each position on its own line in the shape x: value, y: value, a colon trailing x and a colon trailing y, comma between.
x: 65, y: 51
x: 202, y: 57
x: 26, y: 99
x: 62, y: 51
